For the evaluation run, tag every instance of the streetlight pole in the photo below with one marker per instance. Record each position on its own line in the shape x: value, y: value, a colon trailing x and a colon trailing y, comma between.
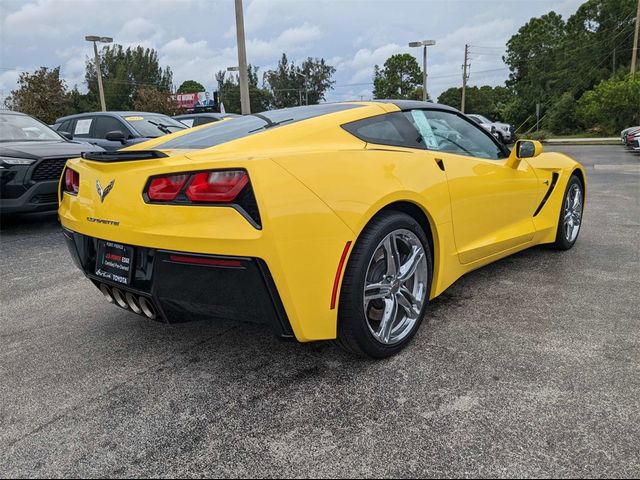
x: 634, y: 54
x: 424, y: 44
x: 95, y: 39
x: 306, y: 88
x: 245, y: 106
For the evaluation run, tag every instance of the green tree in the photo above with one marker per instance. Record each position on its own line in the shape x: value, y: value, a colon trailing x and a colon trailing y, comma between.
x: 150, y: 99
x: 229, y: 91
x: 290, y: 85
x: 42, y: 94
x: 190, y: 86
x: 549, y: 57
x: 400, y: 77
x: 612, y: 105
x: 563, y: 117
x: 123, y: 73
x: 485, y: 100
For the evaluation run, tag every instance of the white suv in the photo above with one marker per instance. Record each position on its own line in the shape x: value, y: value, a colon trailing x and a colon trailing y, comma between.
x: 502, y: 131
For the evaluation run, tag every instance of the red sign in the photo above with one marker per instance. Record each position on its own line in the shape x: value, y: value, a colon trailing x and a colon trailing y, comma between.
x: 186, y: 100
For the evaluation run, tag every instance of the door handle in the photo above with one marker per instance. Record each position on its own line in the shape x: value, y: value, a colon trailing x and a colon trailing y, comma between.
x: 440, y: 163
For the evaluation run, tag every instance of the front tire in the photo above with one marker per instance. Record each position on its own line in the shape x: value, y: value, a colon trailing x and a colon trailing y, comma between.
x: 570, y: 220
x: 385, y: 287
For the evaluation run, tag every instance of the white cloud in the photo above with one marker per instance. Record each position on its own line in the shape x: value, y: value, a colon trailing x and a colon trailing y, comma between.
x: 197, y: 37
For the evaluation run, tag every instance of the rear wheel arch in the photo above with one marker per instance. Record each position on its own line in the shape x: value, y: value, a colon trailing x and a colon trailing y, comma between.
x: 424, y: 219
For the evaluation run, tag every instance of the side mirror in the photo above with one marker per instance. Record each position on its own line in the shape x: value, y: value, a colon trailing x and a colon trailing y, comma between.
x: 523, y: 149
x: 67, y: 135
x: 116, y: 136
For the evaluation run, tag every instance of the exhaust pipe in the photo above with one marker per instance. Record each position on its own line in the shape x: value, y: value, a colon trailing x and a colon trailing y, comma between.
x: 131, y: 301
x: 147, y: 307
x: 118, y: 296
x: 107, y: 294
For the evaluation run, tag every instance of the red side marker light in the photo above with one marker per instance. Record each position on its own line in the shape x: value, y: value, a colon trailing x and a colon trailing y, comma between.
x: 336, y: 281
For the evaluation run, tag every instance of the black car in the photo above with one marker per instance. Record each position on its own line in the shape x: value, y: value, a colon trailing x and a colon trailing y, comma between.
x: 115, y: 130
x: 195, y: 119
x: 32, y: 157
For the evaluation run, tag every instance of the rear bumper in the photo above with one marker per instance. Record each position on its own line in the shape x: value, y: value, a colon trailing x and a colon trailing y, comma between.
x: 182, y: 287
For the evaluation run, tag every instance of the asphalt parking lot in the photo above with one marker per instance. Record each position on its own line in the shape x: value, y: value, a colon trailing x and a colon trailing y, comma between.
x: 527, y: 368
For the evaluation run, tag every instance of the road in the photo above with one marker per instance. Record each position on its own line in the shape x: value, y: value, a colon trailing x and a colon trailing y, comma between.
x: 529, y: 367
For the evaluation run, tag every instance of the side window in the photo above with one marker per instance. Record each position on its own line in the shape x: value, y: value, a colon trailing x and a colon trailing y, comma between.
x: 388, y: 129
x: 83, y: 127
x: 66, y: 126
x: 448, y: 132
x: 189, y: 122
x: 108, y: 124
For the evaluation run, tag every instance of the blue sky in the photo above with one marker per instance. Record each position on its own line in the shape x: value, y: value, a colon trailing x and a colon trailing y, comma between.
x: 196, y: 38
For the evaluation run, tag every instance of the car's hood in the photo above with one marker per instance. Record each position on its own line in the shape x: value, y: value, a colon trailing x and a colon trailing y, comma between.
x: 500, y: 124
x: 53, y: 148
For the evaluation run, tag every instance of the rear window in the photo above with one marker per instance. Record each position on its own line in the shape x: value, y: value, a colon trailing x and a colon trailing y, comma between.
x: 152, y: 126
x: 222, y: 132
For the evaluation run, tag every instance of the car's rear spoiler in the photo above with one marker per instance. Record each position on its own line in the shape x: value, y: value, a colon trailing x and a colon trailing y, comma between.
x: 123, y: 156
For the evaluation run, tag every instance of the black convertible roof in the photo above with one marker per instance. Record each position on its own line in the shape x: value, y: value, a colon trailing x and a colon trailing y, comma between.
x: 417, y: 104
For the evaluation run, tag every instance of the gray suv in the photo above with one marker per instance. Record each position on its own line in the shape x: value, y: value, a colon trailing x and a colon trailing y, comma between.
x: 115, y: 130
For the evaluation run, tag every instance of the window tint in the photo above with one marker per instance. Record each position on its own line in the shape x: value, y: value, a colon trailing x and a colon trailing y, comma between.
x: 152, y: 126
x: 388, y: 129
x: 204, y: 120
x: 104, y: 125
x: 66, y: 126
x: 449, y: 132
x: 83, y: 127
x: 221, y: 132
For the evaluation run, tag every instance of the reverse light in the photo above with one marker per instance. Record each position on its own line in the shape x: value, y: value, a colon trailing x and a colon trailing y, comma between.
x: 166, y: 188
x: 71, y: 181
x: 217, y: 187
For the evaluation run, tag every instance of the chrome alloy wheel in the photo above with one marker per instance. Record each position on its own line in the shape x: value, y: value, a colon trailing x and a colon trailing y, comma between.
x: 395, y: 286
x: 572, y: 213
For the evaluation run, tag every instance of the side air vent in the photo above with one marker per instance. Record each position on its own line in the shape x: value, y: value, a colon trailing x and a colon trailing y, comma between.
x: 554, y: 180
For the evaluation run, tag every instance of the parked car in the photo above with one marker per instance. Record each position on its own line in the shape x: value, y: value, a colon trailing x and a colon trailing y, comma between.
x: 338, y: 220
x: 628, y: 133
x: 115, y: 130
x: 634, y: 142
x: 195, y: 119
x: 502, y: 131
x: 32, y: 157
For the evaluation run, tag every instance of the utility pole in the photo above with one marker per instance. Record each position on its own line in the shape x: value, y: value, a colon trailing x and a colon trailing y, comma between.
x: 465, y: 76
x: 95, y: 39
x: 245, y: 106
x: 634, y: 55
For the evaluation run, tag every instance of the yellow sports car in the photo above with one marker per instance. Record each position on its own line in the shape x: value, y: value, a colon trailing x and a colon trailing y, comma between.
x: 333, y: 221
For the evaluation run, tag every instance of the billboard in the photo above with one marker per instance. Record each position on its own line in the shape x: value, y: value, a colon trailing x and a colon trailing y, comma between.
x: 197, y: 101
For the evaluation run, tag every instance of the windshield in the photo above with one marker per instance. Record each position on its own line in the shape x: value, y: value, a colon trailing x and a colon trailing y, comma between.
x: 22, y: 128
x: 221, y: 132
x: 154, y: 125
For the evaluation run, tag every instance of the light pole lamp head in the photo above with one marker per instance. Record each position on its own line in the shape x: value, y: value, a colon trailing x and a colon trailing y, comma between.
x: 423, y: 43
x: 96, y: 38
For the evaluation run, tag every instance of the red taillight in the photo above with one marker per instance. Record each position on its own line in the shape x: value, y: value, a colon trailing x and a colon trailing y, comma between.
x: 166, y: 188
x: 217, y: 187
x: 71, y: 181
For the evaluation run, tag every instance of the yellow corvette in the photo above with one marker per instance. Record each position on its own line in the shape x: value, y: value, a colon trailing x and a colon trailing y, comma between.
x: 334, y: 221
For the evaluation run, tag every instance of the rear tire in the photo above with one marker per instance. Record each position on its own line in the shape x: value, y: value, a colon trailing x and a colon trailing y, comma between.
x: 570, y: 219
x: 385, y: 288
